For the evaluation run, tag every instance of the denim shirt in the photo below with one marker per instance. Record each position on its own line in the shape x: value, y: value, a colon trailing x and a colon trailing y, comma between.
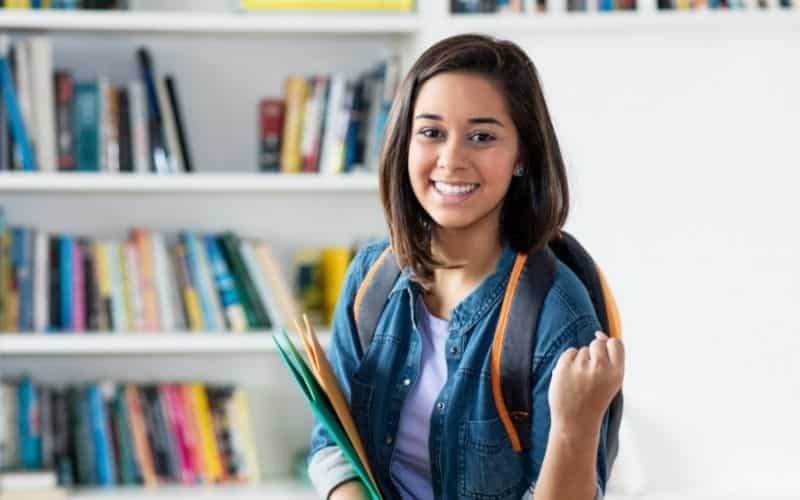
x: 470, y: 454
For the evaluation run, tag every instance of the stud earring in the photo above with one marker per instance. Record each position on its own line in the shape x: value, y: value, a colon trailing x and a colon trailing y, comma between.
x: 519, y: 171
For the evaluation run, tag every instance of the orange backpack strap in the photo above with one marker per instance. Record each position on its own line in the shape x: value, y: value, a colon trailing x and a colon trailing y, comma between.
x: 372, y: 296
x: 515, y: 340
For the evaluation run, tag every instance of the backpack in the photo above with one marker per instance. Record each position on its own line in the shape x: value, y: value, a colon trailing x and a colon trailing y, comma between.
x: 513, y: 345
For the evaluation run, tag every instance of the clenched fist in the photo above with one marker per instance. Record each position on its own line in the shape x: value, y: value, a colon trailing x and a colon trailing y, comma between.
x: 584, y: 383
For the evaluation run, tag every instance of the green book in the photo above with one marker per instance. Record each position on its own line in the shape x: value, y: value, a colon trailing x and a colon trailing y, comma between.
x: 317, y: 398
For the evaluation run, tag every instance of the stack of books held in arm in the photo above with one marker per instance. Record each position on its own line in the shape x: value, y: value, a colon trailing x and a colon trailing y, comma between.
x: 30, y: 485
x: 321, y: 390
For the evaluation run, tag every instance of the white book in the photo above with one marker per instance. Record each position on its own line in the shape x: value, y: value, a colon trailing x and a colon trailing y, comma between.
x: 161, y: 270
x: 43, y: 102
x: 140, y: 139
x: 311, y: 124
x: 176, y: 163
x: 22, y: 77
x: 264, y: 292
x: 41, y: 284
x: 336, y: 121
x: 374, y: 92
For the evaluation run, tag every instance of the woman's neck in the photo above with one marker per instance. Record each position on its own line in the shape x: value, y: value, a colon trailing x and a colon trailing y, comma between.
x: 469, y: 256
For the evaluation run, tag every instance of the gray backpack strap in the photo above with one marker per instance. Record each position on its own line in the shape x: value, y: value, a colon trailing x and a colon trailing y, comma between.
x: 515, y: 340
x: 373, y: 294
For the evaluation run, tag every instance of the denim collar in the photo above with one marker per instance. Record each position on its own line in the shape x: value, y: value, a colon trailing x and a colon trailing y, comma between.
x: 475, y: 305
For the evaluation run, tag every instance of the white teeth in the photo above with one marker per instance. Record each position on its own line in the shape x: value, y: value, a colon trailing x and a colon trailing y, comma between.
x: 454, y: 188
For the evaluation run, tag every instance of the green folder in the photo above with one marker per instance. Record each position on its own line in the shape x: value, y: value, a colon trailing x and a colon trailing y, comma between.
x: 322, y: 407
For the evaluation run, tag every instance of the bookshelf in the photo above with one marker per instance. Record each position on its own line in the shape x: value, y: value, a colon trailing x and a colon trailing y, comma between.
x: 244, y: 57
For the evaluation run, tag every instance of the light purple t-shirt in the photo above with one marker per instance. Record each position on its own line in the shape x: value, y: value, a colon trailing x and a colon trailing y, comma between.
x: 410, y: 465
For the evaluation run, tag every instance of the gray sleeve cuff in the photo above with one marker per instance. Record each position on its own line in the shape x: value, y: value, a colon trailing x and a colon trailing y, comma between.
x: 328, y: 469
x: 529, y: 494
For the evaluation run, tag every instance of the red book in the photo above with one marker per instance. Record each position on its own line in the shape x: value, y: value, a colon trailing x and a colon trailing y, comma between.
x: 271, y: 114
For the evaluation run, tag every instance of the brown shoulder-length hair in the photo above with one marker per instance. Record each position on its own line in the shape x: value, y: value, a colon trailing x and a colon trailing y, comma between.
x: 536, y: 204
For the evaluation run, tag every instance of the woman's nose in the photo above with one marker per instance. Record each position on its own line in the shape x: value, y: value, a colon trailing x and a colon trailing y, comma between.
x: 452, y: 155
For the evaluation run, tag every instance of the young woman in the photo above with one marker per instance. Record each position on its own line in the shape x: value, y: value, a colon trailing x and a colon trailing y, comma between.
x: 470, y: 175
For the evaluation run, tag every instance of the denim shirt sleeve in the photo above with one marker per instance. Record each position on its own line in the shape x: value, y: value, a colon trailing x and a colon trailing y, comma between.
x: 577, y: 333
x: 328, y: 467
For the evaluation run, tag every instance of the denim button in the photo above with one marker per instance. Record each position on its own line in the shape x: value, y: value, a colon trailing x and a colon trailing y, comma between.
x: 407, y: 382
x: 440, y: 406
x: 453, y: 350
x: 388, y: 440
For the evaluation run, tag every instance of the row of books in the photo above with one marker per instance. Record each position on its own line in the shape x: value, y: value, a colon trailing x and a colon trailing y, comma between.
x: 327, y: 123
x: 59, y: 123
x: 328, y: 5
x: 107, y: 433
x: 64, y: 4
x: 497, y: 6
x: 725, y: 4
x: 199, y: 282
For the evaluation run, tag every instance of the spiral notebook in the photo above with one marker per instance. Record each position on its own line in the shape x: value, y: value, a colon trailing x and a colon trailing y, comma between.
x: 321, y: 389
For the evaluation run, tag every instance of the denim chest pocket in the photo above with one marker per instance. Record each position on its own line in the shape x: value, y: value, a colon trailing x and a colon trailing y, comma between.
x: 488, y: 467
x: 360, y: 406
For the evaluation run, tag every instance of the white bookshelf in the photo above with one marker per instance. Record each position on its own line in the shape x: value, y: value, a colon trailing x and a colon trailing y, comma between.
x: 142, y: 343
x: 208, y: 23
x: 38, y: 182
x: 277, y: 490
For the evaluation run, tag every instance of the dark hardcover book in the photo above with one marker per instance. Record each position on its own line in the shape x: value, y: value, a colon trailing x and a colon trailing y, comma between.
x: 62, y: 452
x: 5, y: 140
x: 271, y: 116
x: 91, y: 291
x: 218, y: 397
x: 81, y: 436
x: 124, y: 132
x: 244, y: 284
x: 46, y: 426
x: 64, y: 142
x: 54, y: 277
x: 128, y: 470
x: 159, y: 153
x: 180, y: 124
x: 157, y: 434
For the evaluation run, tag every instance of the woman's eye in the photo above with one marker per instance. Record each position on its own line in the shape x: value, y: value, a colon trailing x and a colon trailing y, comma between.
x: 430, y: 133
x: 481, y: 137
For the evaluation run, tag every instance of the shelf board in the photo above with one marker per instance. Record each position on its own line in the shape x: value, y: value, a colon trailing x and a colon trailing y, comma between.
x: 274, y: 490
x: 639, y: 21
x: 141, y: 343
x: 24, y: 182
x: 209, y: 22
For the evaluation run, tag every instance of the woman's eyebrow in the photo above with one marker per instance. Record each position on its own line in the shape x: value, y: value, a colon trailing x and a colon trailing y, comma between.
x: 477, y: 119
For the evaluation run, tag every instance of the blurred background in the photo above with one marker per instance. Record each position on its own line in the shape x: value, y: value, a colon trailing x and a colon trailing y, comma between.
x: 178, y: 179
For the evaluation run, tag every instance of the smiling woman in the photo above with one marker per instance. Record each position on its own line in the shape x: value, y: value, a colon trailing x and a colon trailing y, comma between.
x: 473, y: 186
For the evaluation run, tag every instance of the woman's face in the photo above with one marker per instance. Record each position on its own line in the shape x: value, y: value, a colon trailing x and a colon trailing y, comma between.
x: 463, y: 150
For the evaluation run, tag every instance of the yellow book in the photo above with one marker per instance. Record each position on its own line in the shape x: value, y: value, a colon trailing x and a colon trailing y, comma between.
x: 190, y: 298
x: 330, y: 5
x: 333, y: 263
x: 147, y: 280
x: 126, y: 282
x: 296, y: 91
x: 5, y: 278
x: 240, y: 412
x: 208, y: 442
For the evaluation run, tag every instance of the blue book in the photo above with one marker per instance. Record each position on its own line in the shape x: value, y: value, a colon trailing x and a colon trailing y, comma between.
x: 22, y: 241
x: 101, y: 437
x: 222, y: 275
x: 195, y: 276
x: 15, y: 117
x: 86, y: 126
x: 65, y: 279
x: 30, y: 437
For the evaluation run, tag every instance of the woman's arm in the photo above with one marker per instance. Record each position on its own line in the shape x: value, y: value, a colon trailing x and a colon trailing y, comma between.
x: 583, y: 383
x: 351, y: 490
